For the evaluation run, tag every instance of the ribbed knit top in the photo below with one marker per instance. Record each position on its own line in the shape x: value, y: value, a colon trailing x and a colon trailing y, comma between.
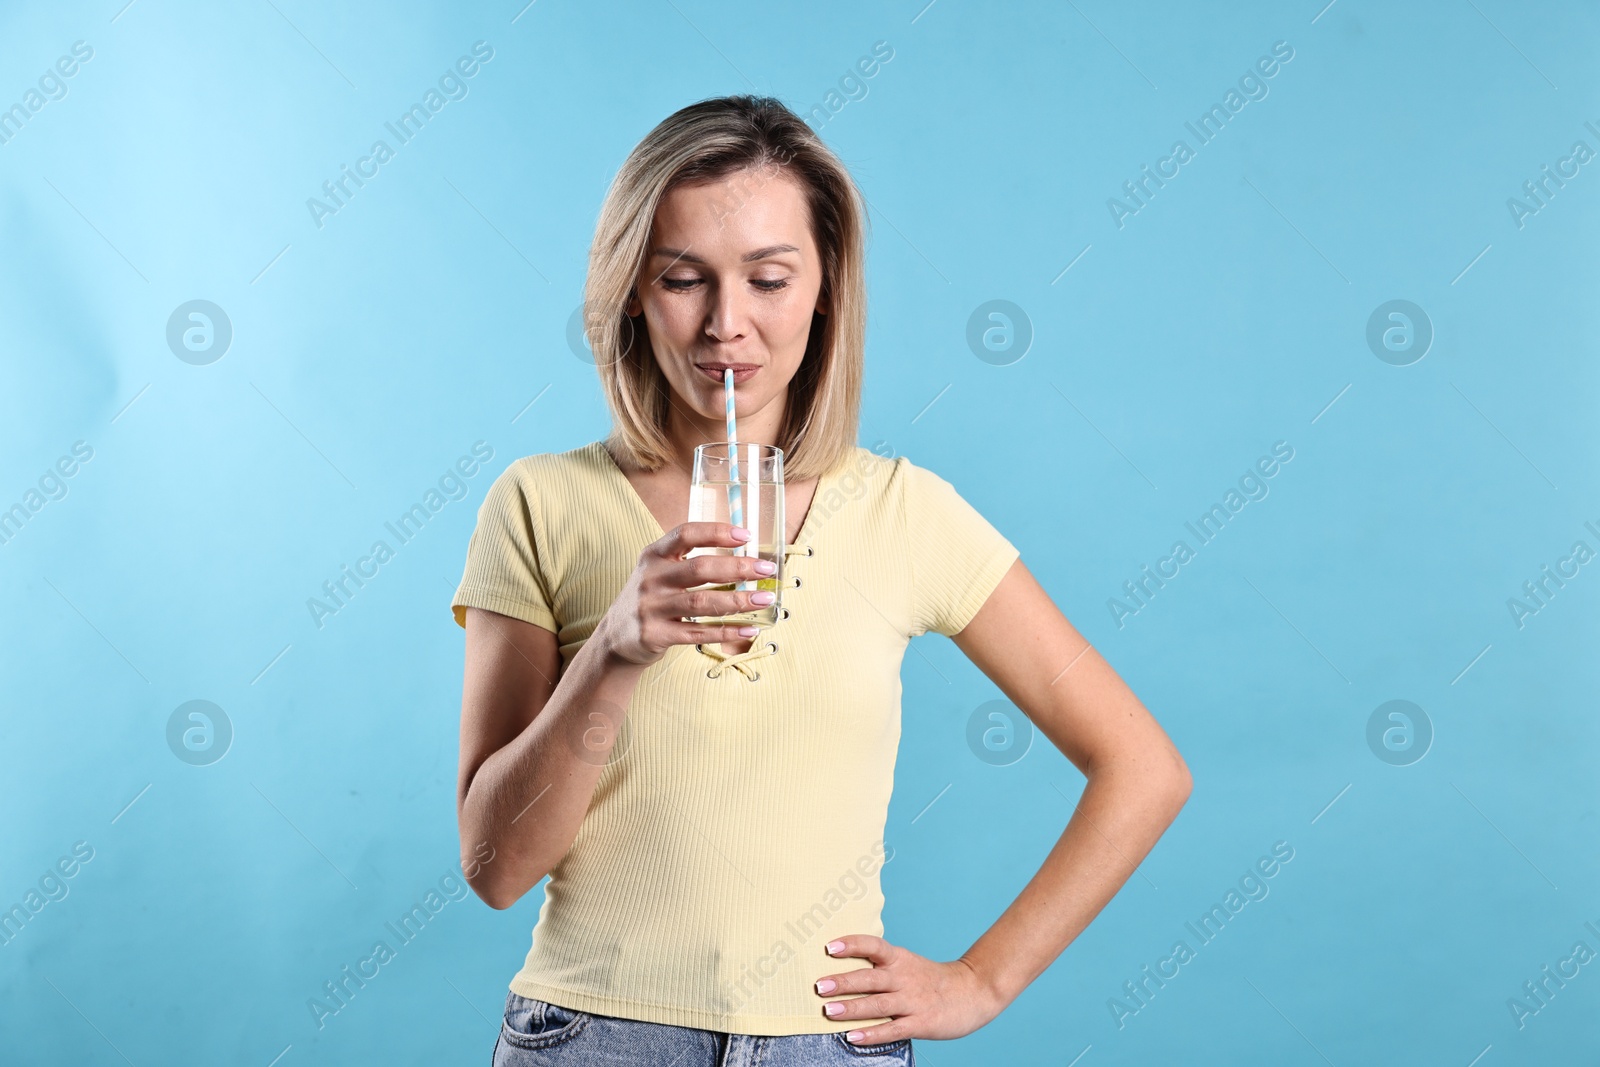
x: 738, y: 824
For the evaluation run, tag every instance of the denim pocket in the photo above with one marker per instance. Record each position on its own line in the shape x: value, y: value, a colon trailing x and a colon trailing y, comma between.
x: 892, y: 1051
x: 535, y: 1024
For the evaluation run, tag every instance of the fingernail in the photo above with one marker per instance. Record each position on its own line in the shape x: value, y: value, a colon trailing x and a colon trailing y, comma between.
x: 826, y: 985
x: 854, y: 1035
x: 748, y: 631
x: 766, y: 566
x: 741, y: 534
x: 834, y: 1009
x: 763, y: 597
x: 835, y: 947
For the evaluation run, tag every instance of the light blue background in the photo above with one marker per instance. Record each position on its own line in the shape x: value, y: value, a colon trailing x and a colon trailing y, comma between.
x: 1227, y: 315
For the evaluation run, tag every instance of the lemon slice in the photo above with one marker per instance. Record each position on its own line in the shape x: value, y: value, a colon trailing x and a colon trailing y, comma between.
x: 770, y: 584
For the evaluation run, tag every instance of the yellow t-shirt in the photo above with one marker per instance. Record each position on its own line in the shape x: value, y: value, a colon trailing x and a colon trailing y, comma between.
x: 738, y: 826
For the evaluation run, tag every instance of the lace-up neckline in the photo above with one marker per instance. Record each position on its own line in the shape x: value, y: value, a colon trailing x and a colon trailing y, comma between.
x: 762, y: 648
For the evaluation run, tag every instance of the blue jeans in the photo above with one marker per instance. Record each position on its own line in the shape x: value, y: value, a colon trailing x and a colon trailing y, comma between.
x: 536, y: 1033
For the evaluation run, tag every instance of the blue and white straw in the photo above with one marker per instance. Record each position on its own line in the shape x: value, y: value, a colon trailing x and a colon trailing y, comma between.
x: 735, y: 493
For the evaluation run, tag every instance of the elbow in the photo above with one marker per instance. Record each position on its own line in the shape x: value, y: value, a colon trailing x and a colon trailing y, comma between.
x: 498, y: 903
x: 1181, y: 782
x: 477, y: 869
x: 1181, y: 791
x: 499, y: 892
x: 497, y: 897
x: 1158, y: 773
x: 498, y: 873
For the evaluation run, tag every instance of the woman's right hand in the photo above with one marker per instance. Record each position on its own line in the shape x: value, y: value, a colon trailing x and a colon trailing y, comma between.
x: 647, y: 618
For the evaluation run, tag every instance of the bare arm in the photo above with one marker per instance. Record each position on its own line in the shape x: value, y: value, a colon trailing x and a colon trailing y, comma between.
x: 535, y: 739
x: 1137, y: 784
x: 523, y: 789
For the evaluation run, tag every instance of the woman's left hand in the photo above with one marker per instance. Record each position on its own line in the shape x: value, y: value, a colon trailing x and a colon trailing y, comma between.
x: 921, y: 997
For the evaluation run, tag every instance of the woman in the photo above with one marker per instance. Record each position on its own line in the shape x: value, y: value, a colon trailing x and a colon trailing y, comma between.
x: 710, y: 808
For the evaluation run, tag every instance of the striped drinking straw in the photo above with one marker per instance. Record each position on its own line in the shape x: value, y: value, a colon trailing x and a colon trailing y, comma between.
x: 735, y: 493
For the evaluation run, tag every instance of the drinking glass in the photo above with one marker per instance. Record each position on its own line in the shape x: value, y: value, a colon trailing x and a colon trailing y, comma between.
x: 748, y: 478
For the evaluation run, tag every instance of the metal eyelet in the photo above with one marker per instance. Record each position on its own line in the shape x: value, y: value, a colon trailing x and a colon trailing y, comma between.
x: 810, y: 552
x: 699, y: 648
x: 785, y: 614
x: 756, y: 677
x: 773, y: 645
x: 709, y: 672
x: 796, y: 584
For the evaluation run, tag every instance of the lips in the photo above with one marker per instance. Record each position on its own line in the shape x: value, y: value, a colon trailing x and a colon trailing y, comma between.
x: 741, y: 371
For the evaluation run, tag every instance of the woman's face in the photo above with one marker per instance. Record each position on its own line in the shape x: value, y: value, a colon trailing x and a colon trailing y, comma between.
x: 731, y: 277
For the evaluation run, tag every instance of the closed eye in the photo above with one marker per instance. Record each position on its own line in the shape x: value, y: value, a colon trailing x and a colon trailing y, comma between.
x: 683, y: 285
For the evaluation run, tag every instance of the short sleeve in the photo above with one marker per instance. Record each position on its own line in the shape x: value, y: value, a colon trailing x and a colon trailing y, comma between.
x: 956, y: 556
x: 502, y: 572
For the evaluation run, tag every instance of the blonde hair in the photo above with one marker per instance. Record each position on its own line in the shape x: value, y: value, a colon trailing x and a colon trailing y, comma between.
x: 705, y: 142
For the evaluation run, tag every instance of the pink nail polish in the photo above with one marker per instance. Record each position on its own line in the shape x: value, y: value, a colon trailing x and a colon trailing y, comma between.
x: 854, y: 1035
x: 826, y: 985
x: 835, y: 947
x: 834, y: 1009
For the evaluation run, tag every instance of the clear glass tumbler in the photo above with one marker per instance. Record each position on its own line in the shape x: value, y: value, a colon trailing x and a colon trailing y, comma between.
x: 742, y: 483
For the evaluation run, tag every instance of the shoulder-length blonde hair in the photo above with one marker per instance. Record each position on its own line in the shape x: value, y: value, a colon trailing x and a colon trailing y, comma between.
x: 705, y: 142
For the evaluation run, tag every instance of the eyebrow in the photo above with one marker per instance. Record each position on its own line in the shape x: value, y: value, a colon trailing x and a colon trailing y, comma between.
x: 749, y: 257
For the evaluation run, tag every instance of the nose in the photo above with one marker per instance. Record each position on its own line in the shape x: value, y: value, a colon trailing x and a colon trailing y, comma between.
x: 726, y: 317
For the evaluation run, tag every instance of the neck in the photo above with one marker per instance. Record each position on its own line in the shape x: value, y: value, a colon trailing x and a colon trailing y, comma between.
x: 686, y: 428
